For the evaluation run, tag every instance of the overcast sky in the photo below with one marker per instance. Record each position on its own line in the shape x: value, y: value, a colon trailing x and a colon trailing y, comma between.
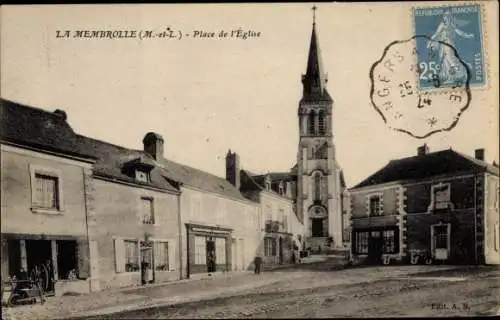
x: 205, y: 96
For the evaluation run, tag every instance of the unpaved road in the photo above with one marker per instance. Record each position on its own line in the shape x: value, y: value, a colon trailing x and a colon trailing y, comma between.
x: 340, y: 294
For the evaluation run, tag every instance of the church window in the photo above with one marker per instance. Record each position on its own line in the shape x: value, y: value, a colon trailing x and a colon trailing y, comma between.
x: 321, y: 123
x: 317, y: 187
x: 321, y: 152
x: 311, y: 122
x: 324, y: 187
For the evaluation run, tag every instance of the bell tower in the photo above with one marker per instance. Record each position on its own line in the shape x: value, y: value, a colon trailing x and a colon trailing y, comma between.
x: 318, y: 174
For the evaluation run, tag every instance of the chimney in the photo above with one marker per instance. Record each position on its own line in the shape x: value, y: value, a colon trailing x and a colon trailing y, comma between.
x: 153, y: 145
x: 423, y: 150
x: 61, y: 113
x: 233, y: 169
x: 479, y: 154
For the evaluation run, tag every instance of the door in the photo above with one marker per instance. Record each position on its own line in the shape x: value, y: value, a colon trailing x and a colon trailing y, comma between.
x: 375, y: 243
x: 146, y: 262
x: 211, y: 255
x: 281, y: 251
x: 440, y: 241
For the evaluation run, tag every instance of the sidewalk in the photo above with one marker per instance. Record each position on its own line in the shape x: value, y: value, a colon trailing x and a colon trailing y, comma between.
x: 111, y: 301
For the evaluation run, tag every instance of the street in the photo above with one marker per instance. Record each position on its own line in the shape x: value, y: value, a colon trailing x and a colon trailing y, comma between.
x: 347, y: 293
x: 314, y: 290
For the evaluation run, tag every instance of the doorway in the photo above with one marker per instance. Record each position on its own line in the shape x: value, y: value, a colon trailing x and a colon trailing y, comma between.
x: 146, y: 262
x: 280, y: 254
x: 440, y: 241
x: 211, y: 266
x: 317, y: 227
x: 375, y: 246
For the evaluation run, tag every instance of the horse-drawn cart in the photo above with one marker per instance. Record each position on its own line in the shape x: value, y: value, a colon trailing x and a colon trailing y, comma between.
x: 21, y: 291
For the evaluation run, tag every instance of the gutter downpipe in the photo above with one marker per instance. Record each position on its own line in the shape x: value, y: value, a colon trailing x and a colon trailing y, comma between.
x: 179, y: 225
x: 475, y: 217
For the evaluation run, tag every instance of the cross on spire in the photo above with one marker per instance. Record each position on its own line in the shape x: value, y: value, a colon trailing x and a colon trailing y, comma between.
x: 314, y: 8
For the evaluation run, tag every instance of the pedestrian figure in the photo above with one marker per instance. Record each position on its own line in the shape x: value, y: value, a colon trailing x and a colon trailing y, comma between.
x: 258, y: 263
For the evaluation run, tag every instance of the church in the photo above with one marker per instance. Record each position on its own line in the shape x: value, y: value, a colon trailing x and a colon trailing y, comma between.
x: 319, y: 190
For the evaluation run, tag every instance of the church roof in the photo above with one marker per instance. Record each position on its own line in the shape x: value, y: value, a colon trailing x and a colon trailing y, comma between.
x: 426, y: 166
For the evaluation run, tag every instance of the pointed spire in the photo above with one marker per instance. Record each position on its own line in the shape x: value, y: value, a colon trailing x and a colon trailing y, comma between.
x: 314, y: 81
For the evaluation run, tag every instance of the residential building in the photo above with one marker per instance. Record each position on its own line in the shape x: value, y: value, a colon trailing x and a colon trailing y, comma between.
x: 281, y: 232
x: 440, y: 206
x: 45, y: 178
x: 220, y: 231
x: 134, y: 219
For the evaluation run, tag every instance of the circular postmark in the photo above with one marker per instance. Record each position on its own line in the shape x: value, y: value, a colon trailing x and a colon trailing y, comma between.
x: 416, y: 100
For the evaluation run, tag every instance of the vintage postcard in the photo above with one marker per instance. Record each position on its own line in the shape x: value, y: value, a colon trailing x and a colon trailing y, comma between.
x: 250, y: 160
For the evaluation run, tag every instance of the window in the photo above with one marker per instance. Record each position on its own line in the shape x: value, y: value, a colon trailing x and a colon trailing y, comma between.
x: 441, y: 236
x: 321, y: 123
x: 200, y: 250
x: 46, y: 191
x: 269, y: 218
x: 142, y: 176
x: 220, y: 251
x: 285, y: 223
x: 147, y: 211
x: 317, y: 187
x: 441, y: 196
x: 311, y: 123
x: 497, y: 236
x: 131, y: 255
x: 324, y: 187
x: 161, y: 256
x: 269, y: 247
x: 389, y: 241
x: 281, y: 188
x: 375, y: 206
x: 361, y: 242
x: 321, y: 152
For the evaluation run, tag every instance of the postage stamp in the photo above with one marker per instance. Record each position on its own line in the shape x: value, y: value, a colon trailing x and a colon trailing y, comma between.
x: 445, y: 28
x: 396, y: 95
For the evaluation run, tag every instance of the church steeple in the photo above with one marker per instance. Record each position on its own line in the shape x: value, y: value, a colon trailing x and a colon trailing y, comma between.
x: 314, y: 81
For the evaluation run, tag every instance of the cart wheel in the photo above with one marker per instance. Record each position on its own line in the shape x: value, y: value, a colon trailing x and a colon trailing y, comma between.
x: 12, y: 300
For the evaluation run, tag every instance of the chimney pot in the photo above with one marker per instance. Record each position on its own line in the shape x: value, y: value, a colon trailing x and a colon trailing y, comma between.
x: 153, y: 145
x: 479, y: 154
x: 423, y: 150
x: 233, y: 169
x: 61, y: 113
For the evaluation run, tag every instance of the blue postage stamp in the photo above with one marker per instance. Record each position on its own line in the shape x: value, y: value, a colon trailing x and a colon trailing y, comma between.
x: 451, y: 49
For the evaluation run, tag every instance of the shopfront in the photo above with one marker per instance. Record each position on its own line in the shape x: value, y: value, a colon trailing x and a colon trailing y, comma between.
x: 209, y: 249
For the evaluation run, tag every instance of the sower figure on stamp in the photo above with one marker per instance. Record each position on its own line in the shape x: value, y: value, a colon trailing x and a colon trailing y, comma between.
x: 446, y: 32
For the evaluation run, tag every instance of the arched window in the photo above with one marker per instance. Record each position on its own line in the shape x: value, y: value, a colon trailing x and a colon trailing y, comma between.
x: 311, y: 122
x: 321, y: 123
x: 317, y: 187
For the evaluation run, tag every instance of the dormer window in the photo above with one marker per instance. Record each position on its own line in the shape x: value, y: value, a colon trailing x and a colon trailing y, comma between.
x: 440, y: 196
x: 139, y: 169
x: 141, y: 175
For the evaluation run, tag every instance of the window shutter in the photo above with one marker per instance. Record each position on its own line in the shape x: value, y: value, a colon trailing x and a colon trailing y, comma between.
x: 119, y: 256
x: 172, y: 262
x: 83, y: 259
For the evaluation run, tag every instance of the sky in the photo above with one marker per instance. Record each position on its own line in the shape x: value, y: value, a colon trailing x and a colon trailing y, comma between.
x: 208, y: 95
